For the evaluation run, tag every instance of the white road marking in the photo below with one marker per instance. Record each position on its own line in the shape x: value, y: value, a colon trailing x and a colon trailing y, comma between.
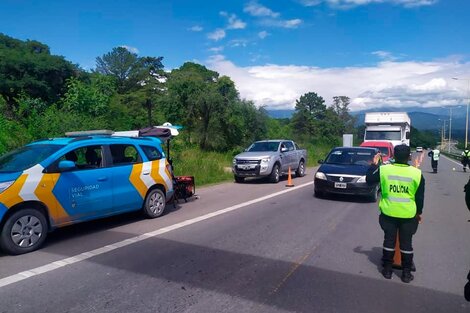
x: 89, y: 254
x: 460, y: 164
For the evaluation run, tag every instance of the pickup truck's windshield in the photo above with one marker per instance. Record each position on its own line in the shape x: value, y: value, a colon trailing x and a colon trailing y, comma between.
x: 383, y: 135
x: 350, y: 157
x: 263, y: 146
x: 25, y: 157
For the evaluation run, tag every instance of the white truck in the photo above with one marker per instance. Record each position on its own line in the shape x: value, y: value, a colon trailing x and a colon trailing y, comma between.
x: 388, y: 126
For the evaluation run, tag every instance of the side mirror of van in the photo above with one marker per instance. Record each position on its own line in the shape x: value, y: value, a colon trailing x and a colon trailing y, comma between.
x: 320, y: 161
x: 66, y: 165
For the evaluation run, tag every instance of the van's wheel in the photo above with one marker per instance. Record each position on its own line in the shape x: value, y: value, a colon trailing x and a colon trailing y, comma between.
x: 300, y: 172
x: 24, y: 231
x: 239, y: 179
x: 275, y: 174
x: 155, y: 203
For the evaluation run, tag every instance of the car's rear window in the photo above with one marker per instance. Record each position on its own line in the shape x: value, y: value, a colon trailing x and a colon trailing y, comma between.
x: 25, y: 157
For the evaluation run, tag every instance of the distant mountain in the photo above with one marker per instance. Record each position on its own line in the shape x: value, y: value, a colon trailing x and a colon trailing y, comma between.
x: 421, y: 118
x: 425, y: 118
x: 280, y: 113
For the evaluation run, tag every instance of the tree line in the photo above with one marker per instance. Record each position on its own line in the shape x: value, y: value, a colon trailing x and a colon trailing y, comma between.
x: 44, y: 95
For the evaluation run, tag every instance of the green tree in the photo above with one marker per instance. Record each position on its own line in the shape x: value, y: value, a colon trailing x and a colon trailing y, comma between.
x: 120, y: 64
x: 28, y: 69
x: 310, y: 109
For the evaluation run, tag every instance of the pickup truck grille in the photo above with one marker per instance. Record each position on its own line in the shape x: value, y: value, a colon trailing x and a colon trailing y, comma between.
x: 248, y: 161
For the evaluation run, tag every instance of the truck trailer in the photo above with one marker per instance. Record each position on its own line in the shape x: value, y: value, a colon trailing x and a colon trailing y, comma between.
x: 388, y: 126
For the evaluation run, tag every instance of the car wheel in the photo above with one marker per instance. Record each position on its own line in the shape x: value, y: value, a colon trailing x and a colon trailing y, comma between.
x: 375, y: 195
x: 155, y: 203
x: 239, y: 179
x: 24, y: 231
x: 275, y: 174
x: 300, y: 170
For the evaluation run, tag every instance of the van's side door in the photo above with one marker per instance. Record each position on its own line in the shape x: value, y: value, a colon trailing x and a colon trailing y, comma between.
x: 128, y: 188
x: 85, y: 192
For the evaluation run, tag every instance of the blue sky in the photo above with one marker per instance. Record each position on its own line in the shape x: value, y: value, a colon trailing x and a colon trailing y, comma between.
x: 378, y: 52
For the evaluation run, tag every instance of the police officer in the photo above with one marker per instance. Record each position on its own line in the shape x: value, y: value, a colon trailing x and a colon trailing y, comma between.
x: 434, y: 154
x: 400, y: 207
x: 465, y: 158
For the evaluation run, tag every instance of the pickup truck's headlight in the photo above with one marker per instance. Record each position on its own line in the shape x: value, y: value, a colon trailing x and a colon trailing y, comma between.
x: 320, y: 175
x: 361, y: 179
x: 4, y: 186
x: 265, y: 160
x: 234, y: 161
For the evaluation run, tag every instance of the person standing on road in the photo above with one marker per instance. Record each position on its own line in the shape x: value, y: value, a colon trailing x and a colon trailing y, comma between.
x: 400, y: 207
x: 434, y: 154
x: 465, y: 158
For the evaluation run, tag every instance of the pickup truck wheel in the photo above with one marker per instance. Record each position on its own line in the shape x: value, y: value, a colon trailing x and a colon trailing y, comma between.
x: 155, y: 203
x: 24, y: 231
x: 275, y: 174
x: 239, y: 179
x: 300, y: 172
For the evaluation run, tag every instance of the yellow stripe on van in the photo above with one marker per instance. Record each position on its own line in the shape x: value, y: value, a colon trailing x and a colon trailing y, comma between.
x: 11, y: 196
x: 135, y: 180
x: 156, y: 175
x: 46, y: 196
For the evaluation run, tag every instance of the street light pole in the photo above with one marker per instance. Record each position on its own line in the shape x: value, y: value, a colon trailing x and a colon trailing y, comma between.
x: 468, y: 103
x: 450, y: 129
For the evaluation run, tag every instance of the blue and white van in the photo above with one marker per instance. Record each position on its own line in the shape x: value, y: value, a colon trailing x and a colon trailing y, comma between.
x: 56, y: 182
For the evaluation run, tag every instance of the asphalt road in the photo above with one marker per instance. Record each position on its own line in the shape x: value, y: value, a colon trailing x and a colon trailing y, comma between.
x: 253, y: 247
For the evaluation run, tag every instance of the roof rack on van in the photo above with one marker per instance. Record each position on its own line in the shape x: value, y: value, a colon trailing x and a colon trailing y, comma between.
x: 86, y: 133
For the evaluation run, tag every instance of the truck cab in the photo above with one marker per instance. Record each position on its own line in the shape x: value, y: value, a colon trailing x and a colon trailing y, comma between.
x: 394, y: 127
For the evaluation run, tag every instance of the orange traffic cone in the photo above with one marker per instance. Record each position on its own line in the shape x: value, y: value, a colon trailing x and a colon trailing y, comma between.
x: 289, y: 180
x: 397, y: 256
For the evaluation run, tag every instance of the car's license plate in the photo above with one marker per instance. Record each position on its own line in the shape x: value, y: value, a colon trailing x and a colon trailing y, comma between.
x: 340, y: 185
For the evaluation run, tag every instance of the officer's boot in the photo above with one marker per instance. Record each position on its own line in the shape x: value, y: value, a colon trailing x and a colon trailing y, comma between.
x: 387, y: 261
x: 406, y: 262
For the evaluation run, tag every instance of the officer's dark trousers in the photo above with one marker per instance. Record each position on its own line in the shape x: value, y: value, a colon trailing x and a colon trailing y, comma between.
x: 434, y: 164
x: 406, y: 228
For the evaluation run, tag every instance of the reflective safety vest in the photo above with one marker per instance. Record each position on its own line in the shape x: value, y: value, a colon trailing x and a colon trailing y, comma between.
x: 399, y: 183
x: 466, y: 153
x: 435, y: 155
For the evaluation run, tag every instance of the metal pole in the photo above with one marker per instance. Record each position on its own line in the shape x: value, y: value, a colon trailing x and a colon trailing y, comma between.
x: 450, y: 129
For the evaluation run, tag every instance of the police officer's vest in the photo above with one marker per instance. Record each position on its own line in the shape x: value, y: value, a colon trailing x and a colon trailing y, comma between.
x: 435, y: 155
x: 399, y: 183
x: 466, y: 153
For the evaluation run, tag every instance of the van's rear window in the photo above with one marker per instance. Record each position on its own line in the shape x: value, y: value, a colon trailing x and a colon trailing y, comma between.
x: 25, y: 157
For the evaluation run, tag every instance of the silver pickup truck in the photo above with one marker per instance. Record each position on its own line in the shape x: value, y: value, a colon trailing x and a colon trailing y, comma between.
x: 271, y: 158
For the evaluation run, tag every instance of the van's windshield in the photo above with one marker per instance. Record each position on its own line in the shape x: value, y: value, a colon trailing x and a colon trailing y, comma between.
x: 25, y: 157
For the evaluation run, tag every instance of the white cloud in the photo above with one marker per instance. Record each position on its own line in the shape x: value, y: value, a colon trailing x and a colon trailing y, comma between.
x: 263, y: 34
x: 256, y: 9
x: 196, y: 28
x: 354, y: 3
x: 400, y: 84
x: 294, y: 23
x: 130, y: 49
x: 217, y: 34
x: 385, y: 55
x: 233, y: 21
x: 238, y: 43
x: 216, y: 49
